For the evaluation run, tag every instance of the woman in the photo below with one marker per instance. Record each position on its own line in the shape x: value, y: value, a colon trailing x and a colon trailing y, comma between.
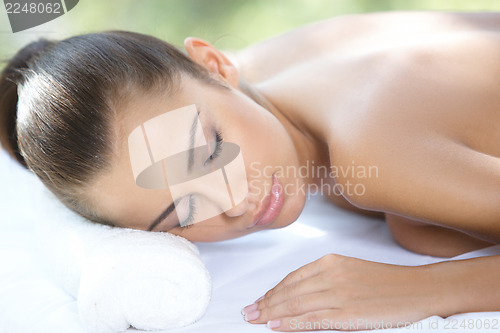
x: 413, y: 94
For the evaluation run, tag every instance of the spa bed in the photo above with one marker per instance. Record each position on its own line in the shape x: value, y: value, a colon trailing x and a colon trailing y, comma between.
x: 241, y: 269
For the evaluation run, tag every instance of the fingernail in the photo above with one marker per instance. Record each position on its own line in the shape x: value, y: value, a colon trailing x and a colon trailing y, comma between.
x: 252, y: 315
x: 260, y: 299
x: 249, y: 308
x: 273, y: 324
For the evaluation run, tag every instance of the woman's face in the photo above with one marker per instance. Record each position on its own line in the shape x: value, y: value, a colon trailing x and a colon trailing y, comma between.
x: 266, y: 148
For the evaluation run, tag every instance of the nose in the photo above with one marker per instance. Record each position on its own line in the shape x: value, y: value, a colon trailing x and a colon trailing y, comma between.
x: 232, y: 203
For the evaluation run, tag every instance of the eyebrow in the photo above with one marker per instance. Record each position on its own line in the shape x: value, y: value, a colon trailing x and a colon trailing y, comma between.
x: 194, y: 128
x: 162, y: 216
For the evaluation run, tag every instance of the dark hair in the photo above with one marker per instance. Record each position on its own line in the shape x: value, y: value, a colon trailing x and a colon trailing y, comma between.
x: 58, y: 104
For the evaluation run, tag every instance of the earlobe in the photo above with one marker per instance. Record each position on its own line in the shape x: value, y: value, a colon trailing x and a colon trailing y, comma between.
x: 212, y: 59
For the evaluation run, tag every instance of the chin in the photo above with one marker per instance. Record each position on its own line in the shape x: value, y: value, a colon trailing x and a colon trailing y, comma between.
x: 292, y: 209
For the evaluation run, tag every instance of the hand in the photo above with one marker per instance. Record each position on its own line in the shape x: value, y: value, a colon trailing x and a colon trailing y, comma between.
x: 343, y: 293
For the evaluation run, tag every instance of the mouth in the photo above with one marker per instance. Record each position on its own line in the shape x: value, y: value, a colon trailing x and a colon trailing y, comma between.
x: 271, y: 205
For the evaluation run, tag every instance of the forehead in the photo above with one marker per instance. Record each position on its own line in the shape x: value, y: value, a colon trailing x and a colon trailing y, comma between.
x: 165, y: 135
x: 139, y: 107
x: 119, y: 200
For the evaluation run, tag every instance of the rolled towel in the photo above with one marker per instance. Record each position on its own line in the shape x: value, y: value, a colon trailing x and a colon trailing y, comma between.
x: 121, y: 277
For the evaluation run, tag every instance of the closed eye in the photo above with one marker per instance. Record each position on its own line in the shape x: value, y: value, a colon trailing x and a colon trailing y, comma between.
x: 188, y: 221
x: 218, y: 148
x: 192, y: 206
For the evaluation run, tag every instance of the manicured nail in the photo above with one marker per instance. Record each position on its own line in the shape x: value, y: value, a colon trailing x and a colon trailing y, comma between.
x: 274, y: 324
x: 252, y: 315
x: 249, y: 308
x: 260, y: 299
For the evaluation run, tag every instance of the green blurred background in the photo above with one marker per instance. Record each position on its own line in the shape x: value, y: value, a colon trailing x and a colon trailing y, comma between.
x: 229, y: 24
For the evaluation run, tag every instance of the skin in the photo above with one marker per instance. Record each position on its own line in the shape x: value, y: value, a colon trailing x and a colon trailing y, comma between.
x: 414, y: 94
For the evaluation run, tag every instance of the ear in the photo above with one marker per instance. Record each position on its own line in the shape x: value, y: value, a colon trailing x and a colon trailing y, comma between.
x: 212, y: 59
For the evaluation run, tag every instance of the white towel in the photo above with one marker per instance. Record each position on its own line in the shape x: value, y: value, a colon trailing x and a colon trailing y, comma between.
x: 120, y: 277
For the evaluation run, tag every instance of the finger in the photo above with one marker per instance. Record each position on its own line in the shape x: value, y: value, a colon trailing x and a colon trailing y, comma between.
x: 295, y: 306
x: 315, y: 284
x: 307, y: 271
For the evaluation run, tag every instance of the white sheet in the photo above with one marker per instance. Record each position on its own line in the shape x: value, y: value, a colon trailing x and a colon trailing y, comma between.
x: 242, y: 269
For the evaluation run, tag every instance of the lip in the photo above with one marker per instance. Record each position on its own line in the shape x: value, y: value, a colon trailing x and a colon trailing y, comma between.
x: 271, y: 205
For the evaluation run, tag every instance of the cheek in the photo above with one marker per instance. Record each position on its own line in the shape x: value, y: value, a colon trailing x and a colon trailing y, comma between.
x: 266, y: 147
x: 269, y: 149
x: 263, y: 138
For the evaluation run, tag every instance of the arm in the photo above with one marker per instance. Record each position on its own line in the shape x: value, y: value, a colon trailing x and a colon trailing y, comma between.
x: 431, y: 239
x: 473, y: 284
x: 338, y: 290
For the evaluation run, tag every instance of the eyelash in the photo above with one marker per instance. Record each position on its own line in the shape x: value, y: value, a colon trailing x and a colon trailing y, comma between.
x: 192, y: 211
x: 218, y: 147
x: 192, y: 208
